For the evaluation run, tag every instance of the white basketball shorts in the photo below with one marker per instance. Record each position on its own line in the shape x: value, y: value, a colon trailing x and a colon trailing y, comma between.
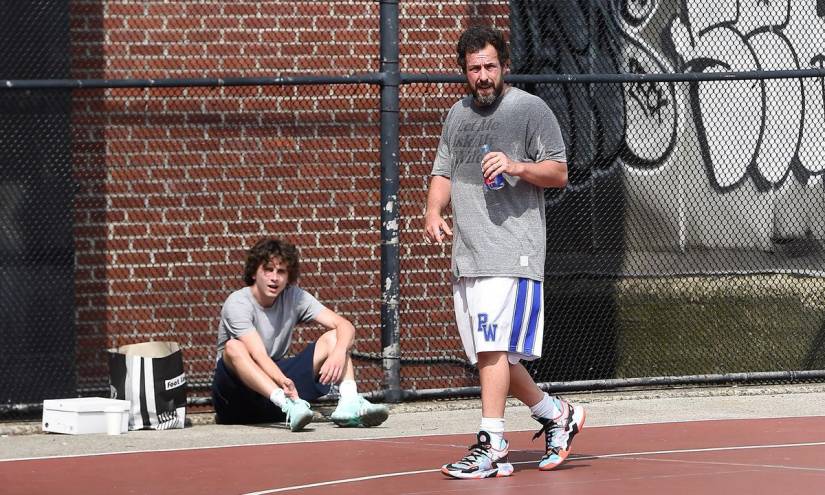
x: 500, y: 314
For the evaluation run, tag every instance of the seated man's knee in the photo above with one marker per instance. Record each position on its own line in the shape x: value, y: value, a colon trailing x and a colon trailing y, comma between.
x: 234, y: 350
x: 328, y: 340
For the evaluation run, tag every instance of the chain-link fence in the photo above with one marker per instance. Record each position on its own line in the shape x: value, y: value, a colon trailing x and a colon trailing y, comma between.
x: 145, y: 145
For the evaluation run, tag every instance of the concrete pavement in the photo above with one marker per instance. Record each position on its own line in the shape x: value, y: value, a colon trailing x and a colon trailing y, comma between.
x: 24, y: 440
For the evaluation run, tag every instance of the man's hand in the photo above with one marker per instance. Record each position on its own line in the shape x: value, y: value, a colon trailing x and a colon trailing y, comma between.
x: 496, y: 163
x: 333, y: 368
x: 435, y: 228
x: 289, y: 388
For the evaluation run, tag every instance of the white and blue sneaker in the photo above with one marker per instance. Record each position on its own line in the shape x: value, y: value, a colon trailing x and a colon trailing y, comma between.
x: 298, y: 413
x: 358, y: 411
x: 483, y: 461
x: 558, y: 435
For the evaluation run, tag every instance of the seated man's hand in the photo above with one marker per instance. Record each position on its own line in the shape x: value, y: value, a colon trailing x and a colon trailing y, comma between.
x: 289, y: 388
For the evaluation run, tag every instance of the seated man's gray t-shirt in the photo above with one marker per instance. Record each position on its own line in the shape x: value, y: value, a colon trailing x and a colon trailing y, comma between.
x: 241, y: 313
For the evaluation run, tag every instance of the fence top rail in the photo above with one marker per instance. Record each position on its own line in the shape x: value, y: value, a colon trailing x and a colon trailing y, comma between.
x: 370, y: 78
x: 625, y: 77
x: 405, y: 78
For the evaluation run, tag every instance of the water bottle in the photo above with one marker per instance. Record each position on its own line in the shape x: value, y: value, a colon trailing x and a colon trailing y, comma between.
x: 495, y: 183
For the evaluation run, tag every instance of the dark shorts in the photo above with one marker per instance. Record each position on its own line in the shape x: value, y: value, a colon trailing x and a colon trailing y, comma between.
x: 236, y: 404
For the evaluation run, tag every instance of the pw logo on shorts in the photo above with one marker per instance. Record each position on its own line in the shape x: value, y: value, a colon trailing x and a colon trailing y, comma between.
x: 489, y: 329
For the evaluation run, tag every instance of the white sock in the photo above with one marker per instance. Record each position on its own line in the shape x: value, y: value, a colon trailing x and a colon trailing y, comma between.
x: 495, y: 427
x: 548, y: 407
x: 278, y: 398
x: 347, y: 389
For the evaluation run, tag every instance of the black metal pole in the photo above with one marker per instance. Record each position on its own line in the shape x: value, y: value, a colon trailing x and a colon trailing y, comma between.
x: 390, y: 334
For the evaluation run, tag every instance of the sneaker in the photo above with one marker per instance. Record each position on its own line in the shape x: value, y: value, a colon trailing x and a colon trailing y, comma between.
x: 298, y: 413
x: 359, y: 412
x: 558, y: 435
x: 483, y: 461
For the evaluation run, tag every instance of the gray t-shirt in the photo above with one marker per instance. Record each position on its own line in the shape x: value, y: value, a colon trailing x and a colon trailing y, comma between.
x: 241, y: 313
x: 498, y: 233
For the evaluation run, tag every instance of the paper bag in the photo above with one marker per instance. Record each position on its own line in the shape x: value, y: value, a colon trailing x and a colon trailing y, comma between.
x: 150, y: 376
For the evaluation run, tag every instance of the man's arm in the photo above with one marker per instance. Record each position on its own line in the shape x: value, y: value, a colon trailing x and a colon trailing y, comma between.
x: 333, y: 368
x: 546, y: 173
x: 438, y: 197
x: 257, y: 351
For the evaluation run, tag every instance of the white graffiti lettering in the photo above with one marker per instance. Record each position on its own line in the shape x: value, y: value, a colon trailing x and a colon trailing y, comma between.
x: 776, y: 120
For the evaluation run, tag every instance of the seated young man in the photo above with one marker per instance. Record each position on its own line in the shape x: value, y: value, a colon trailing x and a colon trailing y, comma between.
x: 253, y: 382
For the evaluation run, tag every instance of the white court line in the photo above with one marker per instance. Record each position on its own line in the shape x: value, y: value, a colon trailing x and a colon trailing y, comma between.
x: 324, y: 440
x: 604, y: 456
x: 741, y: 464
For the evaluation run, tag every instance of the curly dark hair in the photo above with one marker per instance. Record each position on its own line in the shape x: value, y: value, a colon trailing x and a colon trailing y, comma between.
x: 476, y: 38
x: 267, y: 249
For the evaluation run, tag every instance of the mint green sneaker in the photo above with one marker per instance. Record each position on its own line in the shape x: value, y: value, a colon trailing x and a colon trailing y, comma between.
x: 298, y: 413
x: 359, y: 411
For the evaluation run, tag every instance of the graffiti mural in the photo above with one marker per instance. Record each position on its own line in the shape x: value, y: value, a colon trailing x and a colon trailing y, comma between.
x: 780, y: 118
x: 758, y: 140
x: 730, y: 164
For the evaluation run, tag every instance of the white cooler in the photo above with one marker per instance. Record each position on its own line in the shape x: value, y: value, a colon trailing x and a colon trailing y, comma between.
x: 86, y: 415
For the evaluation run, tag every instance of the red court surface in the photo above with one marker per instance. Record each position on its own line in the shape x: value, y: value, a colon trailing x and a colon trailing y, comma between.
x: 784, y: 456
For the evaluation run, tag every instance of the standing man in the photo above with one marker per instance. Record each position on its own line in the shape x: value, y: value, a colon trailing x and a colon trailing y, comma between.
x: 499, y: 240
x: 253, y: 383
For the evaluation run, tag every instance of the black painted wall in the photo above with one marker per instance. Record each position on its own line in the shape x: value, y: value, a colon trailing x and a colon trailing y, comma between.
x: 37, y: 355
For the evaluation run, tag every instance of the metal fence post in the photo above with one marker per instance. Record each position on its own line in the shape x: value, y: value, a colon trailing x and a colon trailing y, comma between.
x: 390, y: 334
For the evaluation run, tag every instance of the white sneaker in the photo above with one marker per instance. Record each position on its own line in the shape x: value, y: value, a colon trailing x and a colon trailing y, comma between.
x: 483, y: 461
x: 559, y: 435
x: 298, y: 413
x: 358, y: 411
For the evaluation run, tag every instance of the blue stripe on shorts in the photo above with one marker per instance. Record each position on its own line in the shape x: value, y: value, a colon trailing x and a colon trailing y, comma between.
x: 518, y: 315
x: 535, y: 309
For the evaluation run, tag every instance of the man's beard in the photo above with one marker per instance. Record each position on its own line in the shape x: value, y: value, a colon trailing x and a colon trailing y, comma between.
x: 487, y: 100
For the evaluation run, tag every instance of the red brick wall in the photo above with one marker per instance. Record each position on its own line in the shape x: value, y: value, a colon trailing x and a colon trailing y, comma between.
x: 173, y: 184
